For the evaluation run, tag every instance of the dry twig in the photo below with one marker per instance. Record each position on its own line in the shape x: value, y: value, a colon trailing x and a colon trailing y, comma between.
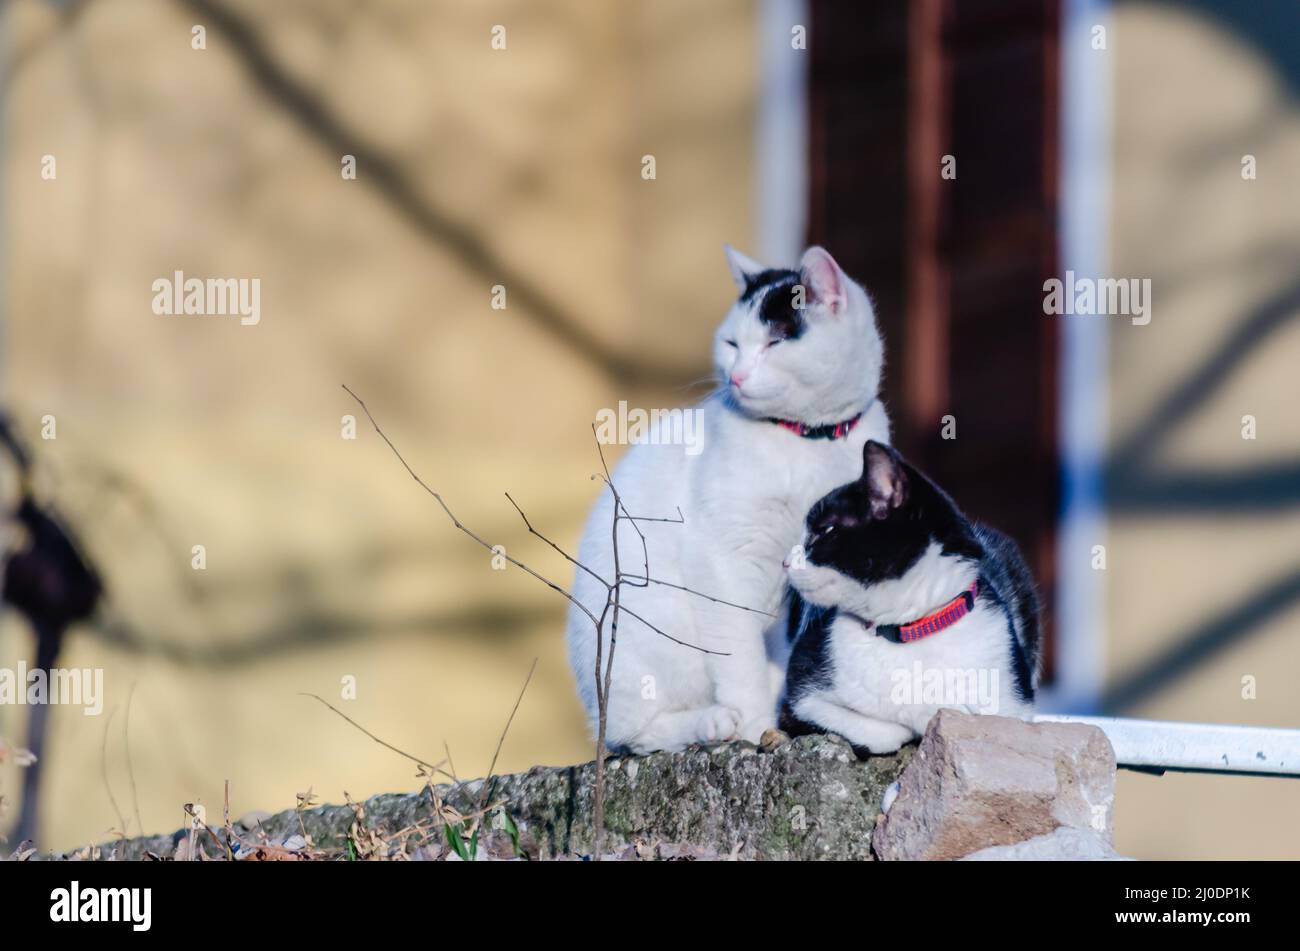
x: 608, y: 618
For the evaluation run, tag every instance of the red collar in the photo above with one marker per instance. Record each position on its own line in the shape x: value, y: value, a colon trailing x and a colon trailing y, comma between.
x: 826, y: 431
x: 934, y: 622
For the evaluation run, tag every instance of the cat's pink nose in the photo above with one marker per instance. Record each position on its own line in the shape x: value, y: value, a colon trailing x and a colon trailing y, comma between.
x: 738, y: 379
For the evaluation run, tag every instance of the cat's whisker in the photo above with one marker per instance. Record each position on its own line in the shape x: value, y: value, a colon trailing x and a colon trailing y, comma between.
x: 711, y: 378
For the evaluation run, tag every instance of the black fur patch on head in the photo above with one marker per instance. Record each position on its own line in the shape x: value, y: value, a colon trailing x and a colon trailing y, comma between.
x: 876, y: 528
x: 773, y: 289
x: 761, y: 281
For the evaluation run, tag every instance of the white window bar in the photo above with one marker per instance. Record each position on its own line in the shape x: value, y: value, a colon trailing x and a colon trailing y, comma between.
x: 1159, y: 745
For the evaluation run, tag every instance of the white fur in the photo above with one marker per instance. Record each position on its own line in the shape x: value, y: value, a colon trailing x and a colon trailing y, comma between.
x: 744, y: 499
x: 863, y: 703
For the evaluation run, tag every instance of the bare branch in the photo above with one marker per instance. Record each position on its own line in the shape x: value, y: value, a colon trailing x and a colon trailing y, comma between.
x: 103, y: 764
x: 703, y: 650
x: 130, y: 769
x: 679, y: 520
x: 451, y: 765
x: 700, y: 594
x: 493, y: 765
x: 567, y: 557
x: 613, y: 608
x: 455, y: 521
x: 619, y: 507
x: 389, y: 178
x: 434, y: 767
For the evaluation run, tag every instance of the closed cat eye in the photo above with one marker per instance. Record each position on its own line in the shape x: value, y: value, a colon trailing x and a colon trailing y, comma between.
x: 730, y: 343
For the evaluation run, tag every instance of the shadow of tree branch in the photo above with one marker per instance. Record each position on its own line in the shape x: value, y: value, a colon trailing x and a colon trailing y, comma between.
x: 1203, y: 642
x: 310, y: 630
x: 1135, y: 488
x: 1262, y: 488
x: 385, y: 175
x: 1134, y: 453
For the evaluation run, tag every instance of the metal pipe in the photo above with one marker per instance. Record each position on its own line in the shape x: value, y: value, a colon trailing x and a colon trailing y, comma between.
x: 1159, y: 745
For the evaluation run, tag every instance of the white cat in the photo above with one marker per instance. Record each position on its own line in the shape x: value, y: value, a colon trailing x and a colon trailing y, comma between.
x: 799, y: 359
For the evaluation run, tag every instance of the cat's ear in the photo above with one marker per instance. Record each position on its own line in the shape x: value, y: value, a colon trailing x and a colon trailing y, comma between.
x: 825, y: 283
x: 884, y: 477
x: 742, y: 266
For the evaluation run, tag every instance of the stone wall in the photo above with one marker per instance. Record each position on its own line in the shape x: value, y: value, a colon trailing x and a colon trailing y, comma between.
x: 978, y: 787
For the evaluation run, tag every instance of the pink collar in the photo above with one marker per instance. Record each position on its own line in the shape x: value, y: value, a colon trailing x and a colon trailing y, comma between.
x: 826, y: 431
x: 934, y: 622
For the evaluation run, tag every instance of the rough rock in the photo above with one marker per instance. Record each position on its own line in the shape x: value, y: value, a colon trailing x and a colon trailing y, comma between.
x: 982, y: 781
x: 808, y: 798
x: 1065, y: 844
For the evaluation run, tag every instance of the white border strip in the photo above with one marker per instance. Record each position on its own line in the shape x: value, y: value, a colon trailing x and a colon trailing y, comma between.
x: 1203, y: 747
x: 1084, y: 241
x: 781, y: 135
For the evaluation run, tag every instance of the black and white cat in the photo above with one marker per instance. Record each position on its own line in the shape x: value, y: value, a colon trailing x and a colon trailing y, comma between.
x: 909, y: 607
x: 798, y: 360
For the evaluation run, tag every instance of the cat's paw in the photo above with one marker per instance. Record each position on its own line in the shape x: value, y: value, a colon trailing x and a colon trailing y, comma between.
x: 718, y: 723
x: 752, y: 730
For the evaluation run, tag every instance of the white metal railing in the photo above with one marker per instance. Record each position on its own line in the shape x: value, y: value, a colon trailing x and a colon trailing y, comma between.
x: 1159, y: 745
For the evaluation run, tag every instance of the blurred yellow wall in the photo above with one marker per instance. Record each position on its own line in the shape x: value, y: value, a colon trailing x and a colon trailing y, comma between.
x: 1190, y: 100
x: 323, y: 558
